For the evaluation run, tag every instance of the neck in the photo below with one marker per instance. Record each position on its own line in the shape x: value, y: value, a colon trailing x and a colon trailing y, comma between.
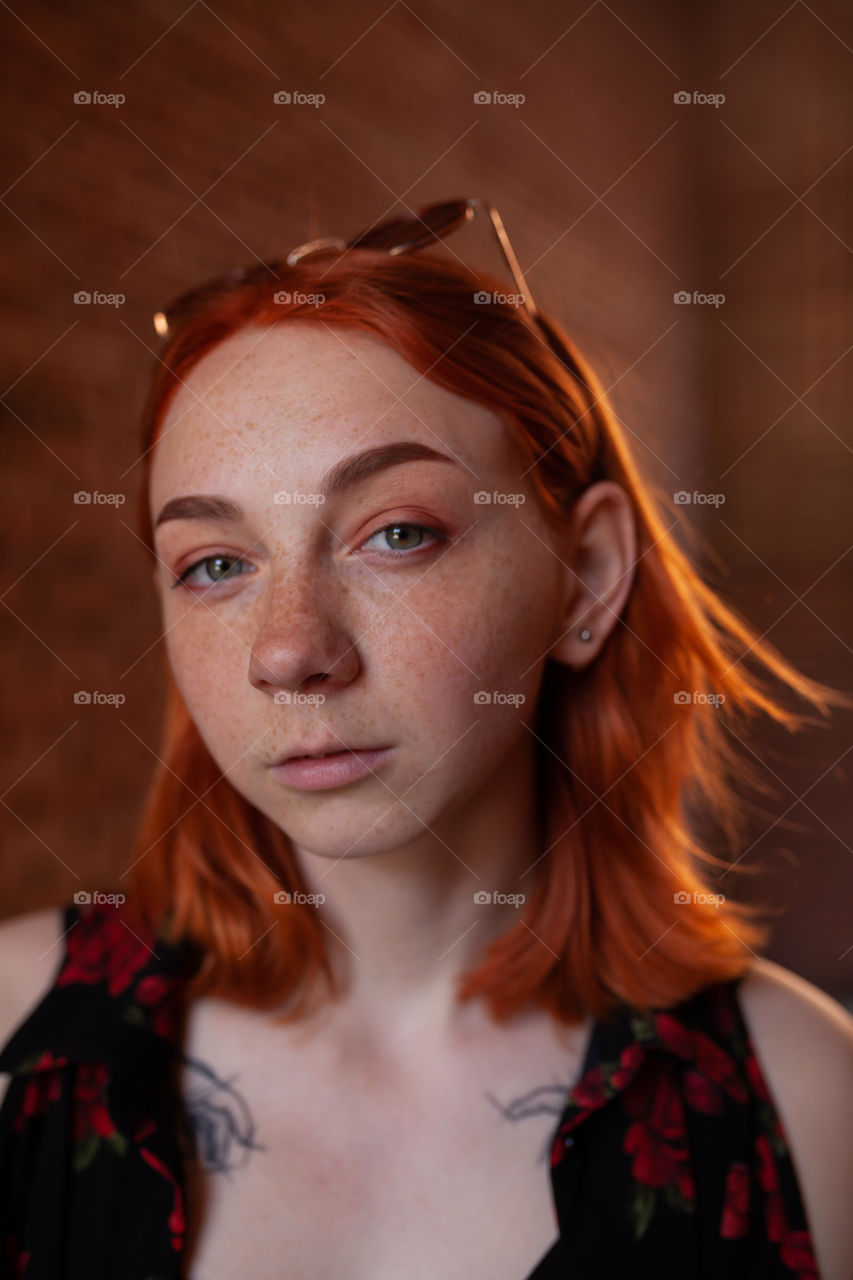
x: 404, y: 924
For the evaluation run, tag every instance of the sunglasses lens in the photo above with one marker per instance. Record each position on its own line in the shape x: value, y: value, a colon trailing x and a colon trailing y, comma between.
x: 414, y: 230
x: 183, y: 306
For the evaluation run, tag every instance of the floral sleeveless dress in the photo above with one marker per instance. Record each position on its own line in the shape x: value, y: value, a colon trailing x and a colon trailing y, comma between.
x: 669, y: 1159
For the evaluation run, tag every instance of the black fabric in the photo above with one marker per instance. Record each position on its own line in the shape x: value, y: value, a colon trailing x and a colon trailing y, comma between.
x: 668, y: 1161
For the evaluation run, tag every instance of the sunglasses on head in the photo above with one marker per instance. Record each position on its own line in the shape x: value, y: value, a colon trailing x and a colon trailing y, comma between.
x: 404, y: 233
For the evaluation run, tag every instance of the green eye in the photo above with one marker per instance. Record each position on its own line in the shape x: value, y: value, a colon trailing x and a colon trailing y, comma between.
x: 233, y: 572
x: 402, y: 531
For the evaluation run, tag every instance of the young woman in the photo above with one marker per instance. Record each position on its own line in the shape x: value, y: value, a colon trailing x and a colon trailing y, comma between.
x: 463, y: 998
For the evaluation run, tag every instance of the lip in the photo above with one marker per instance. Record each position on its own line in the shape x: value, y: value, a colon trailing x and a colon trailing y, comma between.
x: 335, y: 770
x: 330, y: 746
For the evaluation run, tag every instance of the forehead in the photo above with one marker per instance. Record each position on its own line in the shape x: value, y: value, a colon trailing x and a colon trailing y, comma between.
x: 301, y: 396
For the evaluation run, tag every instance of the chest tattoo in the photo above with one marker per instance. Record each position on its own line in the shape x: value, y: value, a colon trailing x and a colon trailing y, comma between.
x: 545, y: 1099
x: 216, y: 1128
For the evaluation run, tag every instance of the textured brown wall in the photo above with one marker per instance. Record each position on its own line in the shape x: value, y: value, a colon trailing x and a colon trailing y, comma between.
x: 615, y: 196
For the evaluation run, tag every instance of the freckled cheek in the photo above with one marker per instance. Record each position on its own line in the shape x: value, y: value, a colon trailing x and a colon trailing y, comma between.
x: 210, y: 672
x: 448, y: 645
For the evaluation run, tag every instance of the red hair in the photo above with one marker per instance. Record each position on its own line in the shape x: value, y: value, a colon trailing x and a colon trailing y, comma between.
x: 622, y: 758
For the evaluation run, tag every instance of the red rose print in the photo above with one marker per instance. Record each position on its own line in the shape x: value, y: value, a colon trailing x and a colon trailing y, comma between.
x: 630, y: 1060
x: 774, y: 1214
x: 769, y: 1178
x: 162, y: 995
x: 17, y: 1259
x: 797, y: 1253
x: 43, y: 1086
x: 713, y: 1061
x: 143, y: 1130
x: 767, y: 1166
x: 674, y: 1035
x: 152, y: 988
x: 589, y: 1091
x: 735, y: 1219
x: 658, y: 1139
x: 702, y: 1094
x: 91, y: 1114
x: 177, y: 1219
x: 101, y: 948
x: 708, y: 1057
x: 601, y: 1082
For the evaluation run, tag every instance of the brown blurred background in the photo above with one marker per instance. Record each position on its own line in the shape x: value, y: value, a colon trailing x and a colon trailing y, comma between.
x: 617, y: 196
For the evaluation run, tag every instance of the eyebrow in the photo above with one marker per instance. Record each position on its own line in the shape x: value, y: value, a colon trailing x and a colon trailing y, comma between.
x: 343, y: 475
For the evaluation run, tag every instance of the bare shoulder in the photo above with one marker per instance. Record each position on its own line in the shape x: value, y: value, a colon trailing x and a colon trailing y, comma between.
x: 30, y: 953
x: 803, y: 1041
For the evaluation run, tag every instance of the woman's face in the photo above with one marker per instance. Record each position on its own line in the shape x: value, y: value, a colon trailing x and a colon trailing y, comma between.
x: 411, y: 627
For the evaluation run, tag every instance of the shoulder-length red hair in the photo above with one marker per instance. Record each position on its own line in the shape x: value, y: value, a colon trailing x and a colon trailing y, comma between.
x: 624, y: 909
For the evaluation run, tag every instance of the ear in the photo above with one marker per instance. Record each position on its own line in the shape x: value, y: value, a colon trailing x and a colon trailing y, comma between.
x: 598, y: 553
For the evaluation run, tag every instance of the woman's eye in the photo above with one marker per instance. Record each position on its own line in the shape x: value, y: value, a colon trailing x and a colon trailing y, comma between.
x: 402, y: 536
x: 234, y: 568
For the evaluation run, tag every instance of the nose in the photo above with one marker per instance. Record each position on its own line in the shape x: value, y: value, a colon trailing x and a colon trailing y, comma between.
x: 299, y: 643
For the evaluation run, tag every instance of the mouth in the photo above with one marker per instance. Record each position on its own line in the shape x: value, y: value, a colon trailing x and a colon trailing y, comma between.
x: 329, y: 752
x: 324, y: 771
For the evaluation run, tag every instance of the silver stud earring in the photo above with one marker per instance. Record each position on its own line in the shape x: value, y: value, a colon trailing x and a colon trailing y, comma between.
x: 586, y: 634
